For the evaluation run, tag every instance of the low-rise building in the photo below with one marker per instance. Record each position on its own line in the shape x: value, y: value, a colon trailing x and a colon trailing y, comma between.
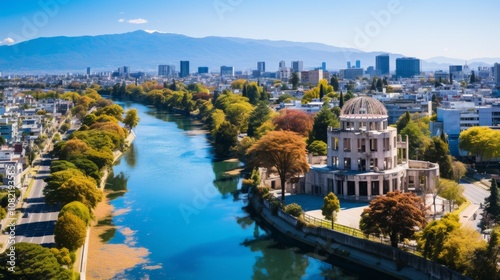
x: 366, y: 157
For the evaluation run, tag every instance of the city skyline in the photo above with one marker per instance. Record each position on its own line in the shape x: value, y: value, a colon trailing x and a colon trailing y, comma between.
x: 421, y: 29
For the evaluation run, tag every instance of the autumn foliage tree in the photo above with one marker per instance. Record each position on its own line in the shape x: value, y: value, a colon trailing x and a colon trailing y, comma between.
x: 397, y: 215
x: 283, y: 152
x: 480, y: 141
x: 294, y: 120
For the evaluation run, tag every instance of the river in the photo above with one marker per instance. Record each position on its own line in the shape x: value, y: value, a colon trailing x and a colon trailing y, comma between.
x: 181, y: 207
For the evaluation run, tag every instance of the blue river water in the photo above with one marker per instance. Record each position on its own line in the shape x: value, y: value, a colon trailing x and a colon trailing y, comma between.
x: 186, y: 213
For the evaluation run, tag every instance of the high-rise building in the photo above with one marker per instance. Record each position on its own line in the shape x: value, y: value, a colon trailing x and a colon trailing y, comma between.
x: 88, y: 71
x: 203, y: 70
x: 496, y: 73
x: 123, y: 71
x: 166, y: 70
x: 348, y: 64
x: 323, y: 66
x: 184, y: 69
x: 261, y: 66
x: 297, y: 66
x: 407, y: 67
x: 358, y: 63
x: 227, y: 71
x: 282, y: 64
x: 382, y: 64
x: 456, y: 68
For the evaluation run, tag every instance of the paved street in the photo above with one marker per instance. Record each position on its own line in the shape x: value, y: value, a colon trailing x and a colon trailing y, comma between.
x: 38, y: 225
x: 476, y: 196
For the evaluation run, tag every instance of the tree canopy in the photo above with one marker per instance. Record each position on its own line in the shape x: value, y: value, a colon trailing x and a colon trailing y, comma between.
x: 331, y: 205
x: 294, y: 120
x: 33, y: 262
x: 131, y: 118
x: 70, y: 231
x: 283, y: 152
x: 480, y: 141
x: 322, y: 120
x: 397, y: 215
x: 432, y: 238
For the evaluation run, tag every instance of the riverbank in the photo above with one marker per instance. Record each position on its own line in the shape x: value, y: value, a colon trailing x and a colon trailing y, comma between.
x: 331, y: 244
x: 101, y: 256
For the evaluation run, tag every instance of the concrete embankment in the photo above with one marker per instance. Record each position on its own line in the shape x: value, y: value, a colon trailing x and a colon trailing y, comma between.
x: 380, y: 257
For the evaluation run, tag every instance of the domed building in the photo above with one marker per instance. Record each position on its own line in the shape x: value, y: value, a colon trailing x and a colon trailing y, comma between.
x: 367, y: 158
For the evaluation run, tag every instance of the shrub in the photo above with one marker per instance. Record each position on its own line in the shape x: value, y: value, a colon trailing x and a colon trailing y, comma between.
x: 294, y: 209
x: 275, y: 205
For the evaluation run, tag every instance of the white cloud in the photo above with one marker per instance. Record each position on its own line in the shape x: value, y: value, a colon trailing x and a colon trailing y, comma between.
x: 121, y: 20
x: 8, y: 41
x: 137, y: 21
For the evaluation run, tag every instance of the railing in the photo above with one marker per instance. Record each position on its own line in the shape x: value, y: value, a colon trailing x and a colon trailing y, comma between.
x: 328, y: 224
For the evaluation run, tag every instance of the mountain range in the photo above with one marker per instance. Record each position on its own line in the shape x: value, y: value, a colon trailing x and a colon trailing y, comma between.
x: 144, y: 51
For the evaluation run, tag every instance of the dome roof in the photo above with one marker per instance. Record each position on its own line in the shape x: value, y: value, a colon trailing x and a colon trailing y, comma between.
x: 364, y: 106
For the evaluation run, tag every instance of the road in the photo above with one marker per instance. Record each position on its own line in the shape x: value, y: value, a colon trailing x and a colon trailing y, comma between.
x: 476, y: 196
x: 38, y: 225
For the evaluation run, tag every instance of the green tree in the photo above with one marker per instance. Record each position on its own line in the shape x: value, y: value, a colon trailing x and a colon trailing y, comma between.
x: 225, y: 138
x: 323, y: 119
x: 334, y: 82
x: 2, y: 140
x: 459, y: 170
x: 259, y: 115
x: 113, y: 110
x: 480, y: 141
x: 472, y: 79
x: 438, y: 152
x: 318, y: 148
x: 397, y: 215
x: 331, y: 205
x: 484, y: 262
x: 380, y: 86
x: 238, y: 114
x: 294, y: 80
x: 3, y: 213
x: 452, y: 191
x: 492, y: 202
x: 283, y: 152
x: 55, y: 181
x: 458, y: 248
x: 131, y: 119
x: 60, y: 165
x: 63, y: 256
x: 242, y: 147
x: 80, y: 188
x: 78, y: 209
x: 403, y: 121
x: 32, y: 262
x: 418, y: 141
x: 321, y: 91
x: 70, y: 231
x: 373, y: 87
x: 432, y: 238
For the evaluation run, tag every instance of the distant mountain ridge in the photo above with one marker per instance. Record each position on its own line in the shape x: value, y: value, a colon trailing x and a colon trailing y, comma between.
x: 144, y: 51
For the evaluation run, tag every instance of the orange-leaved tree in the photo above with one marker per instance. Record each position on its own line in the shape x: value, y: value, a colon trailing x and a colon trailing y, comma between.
x: 294, y: 120
x: 397, y: 215
x: 283, y: 152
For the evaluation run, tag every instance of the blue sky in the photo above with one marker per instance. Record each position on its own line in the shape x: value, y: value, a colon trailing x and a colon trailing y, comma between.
x: 415, y: 28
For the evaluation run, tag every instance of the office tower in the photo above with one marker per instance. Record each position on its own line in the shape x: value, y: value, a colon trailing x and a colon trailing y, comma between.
x: 348, y: 64
x: 358, y: 64
x: 227, y: 71
x: 123, y: 71
x: 382, y: 64
x: 166, y: 70
x: 184, y: 69
x: 203, y: 70
x: 88, y: 71
x: 261, y: 66
x: 496, y: 73
x: 323, y: 66
x: 297, y: 66
x: 282, y: 64
x: 407, y: 67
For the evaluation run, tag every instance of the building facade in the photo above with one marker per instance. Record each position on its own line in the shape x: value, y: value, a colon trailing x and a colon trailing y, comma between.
x: 227, y: 71
x: 184, y: 72
x: 407, y: 67
x: 367, y: 158
x: 297, y: 66
x: 382, y: 64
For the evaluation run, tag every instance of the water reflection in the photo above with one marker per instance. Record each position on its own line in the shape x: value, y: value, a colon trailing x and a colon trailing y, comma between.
x: 116, y: 186
x: 226, y: 184
x: 131, y: 156
x: 182, y: 122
